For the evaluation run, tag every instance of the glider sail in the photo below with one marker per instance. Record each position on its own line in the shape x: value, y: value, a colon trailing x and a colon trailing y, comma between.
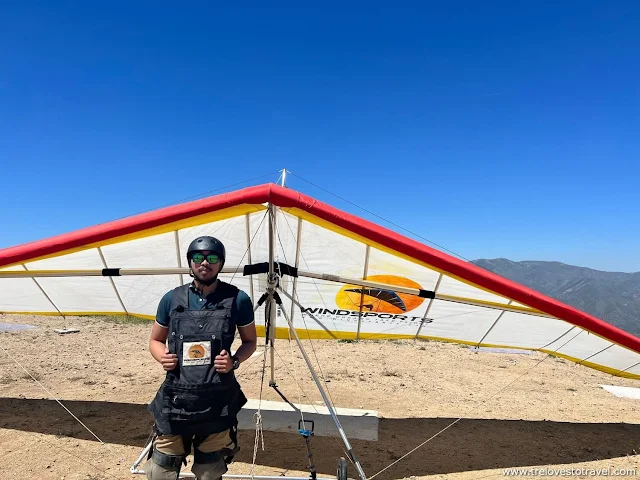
x: 349, y: 278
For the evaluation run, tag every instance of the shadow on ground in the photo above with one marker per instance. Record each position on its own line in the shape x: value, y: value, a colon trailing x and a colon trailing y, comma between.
x: 471, y: 444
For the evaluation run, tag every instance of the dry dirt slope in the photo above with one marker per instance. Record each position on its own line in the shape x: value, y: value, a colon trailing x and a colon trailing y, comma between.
x: 554, y: 412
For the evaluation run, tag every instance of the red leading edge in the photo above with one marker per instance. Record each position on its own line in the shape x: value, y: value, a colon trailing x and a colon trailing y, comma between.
x: 287, y: 198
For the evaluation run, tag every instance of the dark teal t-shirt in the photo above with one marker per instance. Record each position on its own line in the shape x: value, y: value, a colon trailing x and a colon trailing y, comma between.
x: 197, y: 301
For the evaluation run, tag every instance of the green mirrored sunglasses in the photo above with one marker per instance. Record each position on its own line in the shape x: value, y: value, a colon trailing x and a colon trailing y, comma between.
x: 200, y: 257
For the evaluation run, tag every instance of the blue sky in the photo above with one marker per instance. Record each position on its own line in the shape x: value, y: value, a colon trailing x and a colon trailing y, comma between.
x: 495, y: 129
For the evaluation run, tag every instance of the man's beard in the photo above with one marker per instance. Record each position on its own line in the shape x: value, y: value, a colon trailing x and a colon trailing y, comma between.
x: 206, y: 283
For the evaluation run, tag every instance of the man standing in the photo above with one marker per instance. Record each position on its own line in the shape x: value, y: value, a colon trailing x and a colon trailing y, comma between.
x: 200, y: 397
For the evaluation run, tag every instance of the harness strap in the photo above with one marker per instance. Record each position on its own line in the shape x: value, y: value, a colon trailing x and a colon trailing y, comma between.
x: 168, y: 461
x: 209, y: 457
x: 165, y: 460
x: 186, y: 442
x: 229, y: 453
x: 180, y: 297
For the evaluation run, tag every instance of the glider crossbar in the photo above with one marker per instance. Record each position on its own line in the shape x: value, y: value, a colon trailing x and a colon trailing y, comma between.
x: 104, y: 272
x: 420, y: 293
x: 116, y: 272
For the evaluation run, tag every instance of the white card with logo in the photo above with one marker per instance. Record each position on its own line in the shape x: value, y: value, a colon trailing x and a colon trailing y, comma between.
x: 196, y: 353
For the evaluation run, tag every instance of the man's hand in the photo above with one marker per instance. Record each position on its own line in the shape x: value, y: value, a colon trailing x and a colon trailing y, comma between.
x: 168, y: 360
x: 223, y: 362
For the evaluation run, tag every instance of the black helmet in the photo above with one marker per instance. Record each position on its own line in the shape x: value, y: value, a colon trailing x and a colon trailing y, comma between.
x: 207, y: 243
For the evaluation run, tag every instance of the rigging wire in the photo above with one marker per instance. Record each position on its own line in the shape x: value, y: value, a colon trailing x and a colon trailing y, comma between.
x: 41, y: 438
x: 313, y: 281
x: 335, y: 437
x: 259, y: 439
x: 295, y: 373
x: 303, y: 317
x: 381, y: 218
x: 64, y: 406
x: 398, y: 226
x: 460, y: 418
x: 443, y: 248
x: 52, y: 396
x: 526, y: 372
x: 135, y: 281
x: 194, y: 197
x: 306, y: 327
x: 69, y: 411
x: 245, y: 367
x: 258, y: 416
x: 266, y: 212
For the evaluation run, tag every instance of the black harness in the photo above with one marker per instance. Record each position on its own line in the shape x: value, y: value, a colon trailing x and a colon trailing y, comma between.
x: 194, y: 400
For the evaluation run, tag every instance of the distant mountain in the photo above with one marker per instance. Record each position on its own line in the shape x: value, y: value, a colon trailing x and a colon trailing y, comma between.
x: 613, y: 297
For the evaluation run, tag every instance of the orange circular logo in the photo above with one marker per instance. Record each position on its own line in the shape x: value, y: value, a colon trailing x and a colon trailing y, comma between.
x: 374, y: 299
x: 196, y: 351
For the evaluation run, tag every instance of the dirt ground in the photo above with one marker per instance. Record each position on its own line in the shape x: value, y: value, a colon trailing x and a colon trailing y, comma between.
x: 515, y: 410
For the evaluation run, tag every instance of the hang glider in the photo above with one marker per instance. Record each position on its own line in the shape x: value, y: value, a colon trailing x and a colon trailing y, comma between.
x: 341, y: 277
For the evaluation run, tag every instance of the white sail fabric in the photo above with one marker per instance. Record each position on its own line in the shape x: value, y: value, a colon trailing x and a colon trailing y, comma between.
x: 470, y: 305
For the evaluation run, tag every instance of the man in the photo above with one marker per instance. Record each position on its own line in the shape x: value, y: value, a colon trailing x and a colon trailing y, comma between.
x: 200, y: 397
